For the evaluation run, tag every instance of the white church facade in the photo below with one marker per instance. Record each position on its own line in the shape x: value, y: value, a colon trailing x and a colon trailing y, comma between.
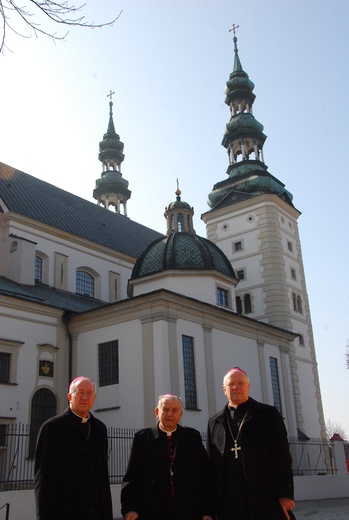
x: 87, y: 291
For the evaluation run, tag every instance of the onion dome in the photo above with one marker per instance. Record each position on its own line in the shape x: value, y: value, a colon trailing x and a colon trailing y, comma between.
x: 244, y: 139
x: 181, y: 249
x: 111, y: 148
x: 111, y: 188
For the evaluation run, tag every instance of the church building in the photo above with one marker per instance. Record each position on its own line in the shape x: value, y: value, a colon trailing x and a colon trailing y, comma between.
x: 85, y: 290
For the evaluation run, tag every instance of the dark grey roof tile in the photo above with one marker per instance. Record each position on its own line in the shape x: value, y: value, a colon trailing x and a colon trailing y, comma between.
x: 41, y: 201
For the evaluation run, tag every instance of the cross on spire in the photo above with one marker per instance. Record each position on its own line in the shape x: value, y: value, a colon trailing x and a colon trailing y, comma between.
x: 234, y: 28
x: 110, y: 95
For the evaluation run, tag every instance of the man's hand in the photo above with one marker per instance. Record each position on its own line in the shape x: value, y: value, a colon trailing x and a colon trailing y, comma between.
x: 286, y: 504
x: 207, y: 517
x: 131, y: 515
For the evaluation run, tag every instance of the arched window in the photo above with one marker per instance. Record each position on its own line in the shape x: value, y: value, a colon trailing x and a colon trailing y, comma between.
x: 44, y: 406
x: 247, y: 303
x: 85, y: 284
x: 294, y: 298
x: 180, y: 222
x: 299, y: 304
x: 244, y: 304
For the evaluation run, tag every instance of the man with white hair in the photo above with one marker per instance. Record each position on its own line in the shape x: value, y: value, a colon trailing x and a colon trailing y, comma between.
x: 168, y: 476
x: 250, y: 458
x: 71, y: 461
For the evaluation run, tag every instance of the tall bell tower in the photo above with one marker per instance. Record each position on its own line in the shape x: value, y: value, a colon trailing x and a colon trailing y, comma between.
x: 252, y: 218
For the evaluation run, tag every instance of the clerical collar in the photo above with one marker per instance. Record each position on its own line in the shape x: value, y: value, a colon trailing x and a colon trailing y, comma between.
x: 83, y: 419
x: 167, y: 433
x: 240, y: 409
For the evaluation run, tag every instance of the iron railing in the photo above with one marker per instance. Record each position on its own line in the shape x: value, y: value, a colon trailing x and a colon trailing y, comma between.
x: 17, y: 456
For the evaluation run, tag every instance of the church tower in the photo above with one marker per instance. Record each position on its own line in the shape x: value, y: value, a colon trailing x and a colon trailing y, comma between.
x: 111, y: 188
x: 252, y: 218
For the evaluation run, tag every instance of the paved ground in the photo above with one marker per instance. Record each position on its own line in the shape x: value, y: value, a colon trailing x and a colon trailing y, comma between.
x: 330, y: 509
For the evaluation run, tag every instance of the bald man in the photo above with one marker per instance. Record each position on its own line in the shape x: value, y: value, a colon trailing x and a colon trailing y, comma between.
x: 71, y: 461
x: 250, y: 458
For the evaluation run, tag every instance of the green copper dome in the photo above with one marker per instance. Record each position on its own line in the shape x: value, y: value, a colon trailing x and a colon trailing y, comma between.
x: 183, y: 252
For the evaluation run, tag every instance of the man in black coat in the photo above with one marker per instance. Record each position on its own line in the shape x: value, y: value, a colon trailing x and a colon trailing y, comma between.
x: 168, y: 476
x: 71, y: 461
x: 249, y: 454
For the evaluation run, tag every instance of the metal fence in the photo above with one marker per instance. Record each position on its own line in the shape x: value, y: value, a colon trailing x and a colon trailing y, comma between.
x: 17, y: 442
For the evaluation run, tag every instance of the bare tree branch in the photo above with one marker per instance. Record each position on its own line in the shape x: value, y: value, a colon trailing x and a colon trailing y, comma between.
x: 62, y: 13
x: 332, y: 428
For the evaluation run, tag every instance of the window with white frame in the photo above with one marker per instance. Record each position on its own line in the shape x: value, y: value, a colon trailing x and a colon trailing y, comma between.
x: 240, y: 273
x: 85, y: 283
x: 237, y: 246
x: 5, y: 365
x: 222, y: 297
x: 297, y: 303
x: 108, y: 363
x: 275, y: 383
x: 189, y: 372
x: 9, y: 352
x: 243, y: 304
x: 38, y: 268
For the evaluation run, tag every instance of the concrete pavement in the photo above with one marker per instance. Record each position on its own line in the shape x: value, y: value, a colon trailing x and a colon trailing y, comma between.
x: 328, y: 509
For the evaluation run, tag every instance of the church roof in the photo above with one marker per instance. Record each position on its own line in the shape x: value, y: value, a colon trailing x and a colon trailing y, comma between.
x: 38, y: 200
x: 45, y: 295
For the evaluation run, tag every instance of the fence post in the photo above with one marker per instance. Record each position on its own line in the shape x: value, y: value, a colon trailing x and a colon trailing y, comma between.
x: 7, y: 505
x: 339, y: 453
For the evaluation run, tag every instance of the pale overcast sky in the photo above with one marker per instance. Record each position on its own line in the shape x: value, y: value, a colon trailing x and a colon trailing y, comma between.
x: 168, y: 61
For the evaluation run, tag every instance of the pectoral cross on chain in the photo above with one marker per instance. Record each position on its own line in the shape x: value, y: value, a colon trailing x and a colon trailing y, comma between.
x: 236, y: 448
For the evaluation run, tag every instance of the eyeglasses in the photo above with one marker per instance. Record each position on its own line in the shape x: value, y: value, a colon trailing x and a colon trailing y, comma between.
x: 80, y: 393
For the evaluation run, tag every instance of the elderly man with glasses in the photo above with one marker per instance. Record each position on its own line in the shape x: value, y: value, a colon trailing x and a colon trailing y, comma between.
x: 250, y: 458
x: 71, y: 468
x: 167, y: 477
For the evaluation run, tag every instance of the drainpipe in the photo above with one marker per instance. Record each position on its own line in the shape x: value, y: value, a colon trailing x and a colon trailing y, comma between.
x: 66, y: 317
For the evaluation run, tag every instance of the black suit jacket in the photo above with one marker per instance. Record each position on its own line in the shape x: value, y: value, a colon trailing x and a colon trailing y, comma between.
x: 71, y: 472
x: 146, y: 485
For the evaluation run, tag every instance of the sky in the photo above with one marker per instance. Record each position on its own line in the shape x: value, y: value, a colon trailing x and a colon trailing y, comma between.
x: 167, y: 62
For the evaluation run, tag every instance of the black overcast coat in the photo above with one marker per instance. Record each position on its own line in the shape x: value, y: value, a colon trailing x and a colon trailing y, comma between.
x: 267, y: 463
x: 71, y: 473
x: 146, y: 485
